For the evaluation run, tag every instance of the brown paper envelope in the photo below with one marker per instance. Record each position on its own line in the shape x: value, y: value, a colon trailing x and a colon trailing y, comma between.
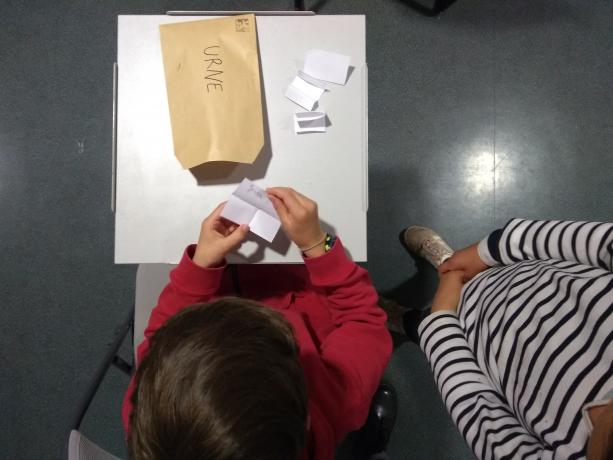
x: 213, y: 85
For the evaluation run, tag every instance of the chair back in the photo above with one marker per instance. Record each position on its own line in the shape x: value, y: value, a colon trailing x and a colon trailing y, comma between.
x: 150, y: 280
x: 81, y: 448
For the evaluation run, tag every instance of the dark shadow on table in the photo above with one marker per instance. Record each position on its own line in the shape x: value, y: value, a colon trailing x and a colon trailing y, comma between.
x: 228, y: 172
x: 350, y: 71
x: 279, y: 245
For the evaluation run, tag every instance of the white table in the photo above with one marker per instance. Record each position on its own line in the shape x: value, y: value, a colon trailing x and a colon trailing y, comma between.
x: 159, y: 206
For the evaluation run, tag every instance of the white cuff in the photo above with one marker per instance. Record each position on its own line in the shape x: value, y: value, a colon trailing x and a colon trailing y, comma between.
x: 484, y: 253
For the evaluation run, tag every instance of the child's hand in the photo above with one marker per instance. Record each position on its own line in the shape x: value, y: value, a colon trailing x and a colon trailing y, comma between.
x: 449, y: 291
x: 299, y: 219
x: 218, y: 237
x: 466, y: 260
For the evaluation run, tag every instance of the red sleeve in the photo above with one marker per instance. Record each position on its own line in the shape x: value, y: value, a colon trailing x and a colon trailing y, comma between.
x: 357, y: 351
x: 189, y: 284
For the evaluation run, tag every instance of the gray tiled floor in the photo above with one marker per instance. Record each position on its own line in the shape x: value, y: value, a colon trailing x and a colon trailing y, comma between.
x: 493, y: 110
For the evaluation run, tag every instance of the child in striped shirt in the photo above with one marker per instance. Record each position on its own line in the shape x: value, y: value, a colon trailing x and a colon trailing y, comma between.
x: 522, y: 353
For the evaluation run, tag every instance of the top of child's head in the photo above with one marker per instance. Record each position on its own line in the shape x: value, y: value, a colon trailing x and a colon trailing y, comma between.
x: 221, y: 381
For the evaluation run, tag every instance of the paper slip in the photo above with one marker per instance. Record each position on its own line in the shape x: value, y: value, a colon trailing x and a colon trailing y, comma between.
x: 250, y: 205
x: 328, y: 66
x: 310, y: 122
x: 304, y: 94
x: 313, y: 81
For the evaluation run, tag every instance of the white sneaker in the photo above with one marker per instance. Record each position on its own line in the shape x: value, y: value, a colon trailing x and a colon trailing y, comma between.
x: 426, y: 243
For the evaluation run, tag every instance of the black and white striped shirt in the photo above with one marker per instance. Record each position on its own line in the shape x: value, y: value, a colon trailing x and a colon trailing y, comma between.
x: 532, y: 340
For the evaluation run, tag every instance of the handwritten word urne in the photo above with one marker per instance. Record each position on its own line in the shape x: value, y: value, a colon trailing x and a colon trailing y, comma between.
x: 213, y: 71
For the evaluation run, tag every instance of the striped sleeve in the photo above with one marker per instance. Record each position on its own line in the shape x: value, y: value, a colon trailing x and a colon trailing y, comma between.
x: 588, y: 243
x: 478, y: 410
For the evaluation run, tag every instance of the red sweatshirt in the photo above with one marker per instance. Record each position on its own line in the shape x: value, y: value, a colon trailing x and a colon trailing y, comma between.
x: 340, y: 330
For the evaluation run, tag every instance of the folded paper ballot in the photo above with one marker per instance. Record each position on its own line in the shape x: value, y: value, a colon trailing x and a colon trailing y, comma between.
x: 310, y: 122
x: 327, y: 66
x: 313, y: 81
x: 303, y: 93
x: 250, y: 205
x: 319, y: 67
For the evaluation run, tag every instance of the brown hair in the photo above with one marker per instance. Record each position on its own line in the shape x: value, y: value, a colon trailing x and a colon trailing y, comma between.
x: 220, y: 381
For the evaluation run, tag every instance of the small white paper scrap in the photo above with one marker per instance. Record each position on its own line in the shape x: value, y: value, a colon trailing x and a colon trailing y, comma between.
x: 310, y: 122
x: 250, y: 205
x: 313, y: 81
x: 304, y: 94
x: 326, y: 65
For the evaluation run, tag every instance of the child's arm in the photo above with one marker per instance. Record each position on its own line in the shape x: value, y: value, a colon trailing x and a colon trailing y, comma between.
x: 357, y: 351
x: 198, y: 276
x: 196, y: 279
x: 485, y: 419
x: 189, y: 284
x: 588, y: 243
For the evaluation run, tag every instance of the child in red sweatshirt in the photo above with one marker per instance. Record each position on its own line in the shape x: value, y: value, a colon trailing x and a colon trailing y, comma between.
x: 284, y: 375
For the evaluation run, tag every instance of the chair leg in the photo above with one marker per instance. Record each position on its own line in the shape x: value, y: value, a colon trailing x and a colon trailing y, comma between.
x: 109, y: 358
x: 123, y: 366
x: 441, y: 5
x: 438, y: 7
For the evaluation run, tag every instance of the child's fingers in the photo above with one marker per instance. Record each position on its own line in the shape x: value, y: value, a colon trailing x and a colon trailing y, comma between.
x: 235, y: 238
x: 279, y: 192
x: 227, y: 227
x: 217, y: 211
x: 280, y: 208
x: 287, y: 196
x: 303, y: 200
x: 272, y: 191
x: 299, y: 197
x: 449, y: 265
x: 444, y: 267
x: 225, y: 222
